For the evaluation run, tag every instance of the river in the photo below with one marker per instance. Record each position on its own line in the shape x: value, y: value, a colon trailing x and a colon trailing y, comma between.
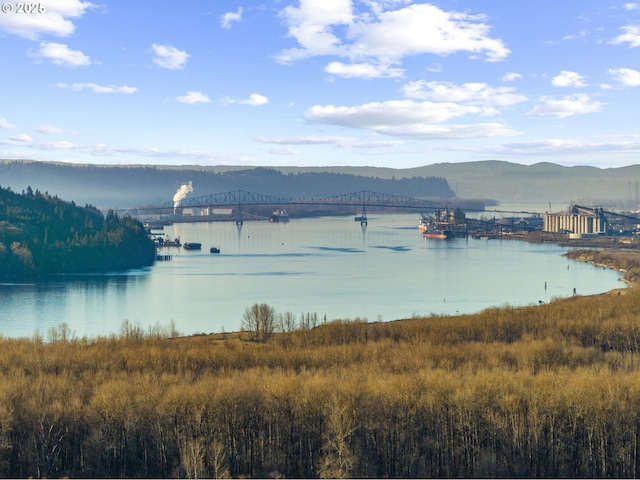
x: 329, y: 266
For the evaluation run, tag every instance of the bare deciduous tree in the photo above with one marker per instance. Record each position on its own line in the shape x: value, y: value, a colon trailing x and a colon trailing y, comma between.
x: 192, y: 457
x: 260, y: 321
x: 287, y: 321
x: 338, y: 459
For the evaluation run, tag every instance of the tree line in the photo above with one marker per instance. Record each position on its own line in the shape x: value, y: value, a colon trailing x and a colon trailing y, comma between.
x: 545, y: 391
x: 132, y: 186
x: 261, y: 321
x: 41, y: 234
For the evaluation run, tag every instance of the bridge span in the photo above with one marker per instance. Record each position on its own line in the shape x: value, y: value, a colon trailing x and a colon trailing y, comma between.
x: 363, y: 199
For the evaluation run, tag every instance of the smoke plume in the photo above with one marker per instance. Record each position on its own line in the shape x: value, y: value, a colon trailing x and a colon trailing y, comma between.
x: 182, y: 192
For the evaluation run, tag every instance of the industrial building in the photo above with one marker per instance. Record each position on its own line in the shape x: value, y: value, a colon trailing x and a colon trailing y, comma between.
x: 206, y: 211
x: 578, y: 221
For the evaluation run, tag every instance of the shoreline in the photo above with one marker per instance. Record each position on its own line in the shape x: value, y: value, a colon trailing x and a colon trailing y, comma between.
x: 626, y: 261
x: 621, y: 254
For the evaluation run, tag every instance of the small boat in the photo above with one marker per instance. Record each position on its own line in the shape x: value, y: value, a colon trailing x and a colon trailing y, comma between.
x: 168, y: 242
x: 214, y: 250
x: 192, y: 246
x: 279, y: 216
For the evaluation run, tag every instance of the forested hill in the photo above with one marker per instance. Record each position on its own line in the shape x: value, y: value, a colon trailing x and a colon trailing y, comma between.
x: 131, y: 186
x: 41, y: 234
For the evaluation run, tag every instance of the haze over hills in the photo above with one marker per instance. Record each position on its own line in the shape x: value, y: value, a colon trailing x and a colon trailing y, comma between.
x: 136, y: 185
x: 508, y: 183
x: 540, y: 183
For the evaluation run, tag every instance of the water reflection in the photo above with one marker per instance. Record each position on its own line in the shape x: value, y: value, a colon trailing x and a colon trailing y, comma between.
x: 85, y: 302
x: 328, y: 266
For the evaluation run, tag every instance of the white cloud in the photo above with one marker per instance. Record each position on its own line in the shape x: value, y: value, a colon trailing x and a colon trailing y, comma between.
x: 61, y: 54
x: 510, y: 77
x: 5, y: 125
x: 347, y: 142
x: 631, y: 36
x: 385, y: 35
x: 425, y: 28
x: 56, y: 19
x: 169, y: 57
x: 22, y: 138
x: 124, y: 152
x: 394, y: 112
x: 407, y: 118
x: 631, y: 6
x: 76, y: 87
x: 306, y: 140
x: 568, y: 79
x: 565, y: 107
x: 281, y: 151
x: 255, y: 100
x: 50, y: 130
x: 228, y: 18
x: 626, y: 76
x: 62, y: 145
x: 363, y: 70
x: 580, y: 34
x: 468, y: 93
x: 193, y: 97
x: 311, y: 25
x: 450, y: 131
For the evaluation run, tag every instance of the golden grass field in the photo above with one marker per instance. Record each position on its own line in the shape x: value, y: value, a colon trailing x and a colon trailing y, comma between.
x: 544, y: 391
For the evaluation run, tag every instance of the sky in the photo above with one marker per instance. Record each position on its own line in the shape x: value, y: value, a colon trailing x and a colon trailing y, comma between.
x: 388, y: 83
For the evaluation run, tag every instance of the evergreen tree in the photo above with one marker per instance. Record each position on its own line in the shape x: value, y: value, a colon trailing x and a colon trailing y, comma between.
x: 41, y: 234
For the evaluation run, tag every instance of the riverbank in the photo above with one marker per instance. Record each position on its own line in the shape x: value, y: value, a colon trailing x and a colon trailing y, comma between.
x: 624, y: 260
x: 615, y: 252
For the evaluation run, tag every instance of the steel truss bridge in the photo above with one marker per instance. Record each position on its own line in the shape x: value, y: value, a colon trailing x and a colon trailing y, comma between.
x: 363, y: 199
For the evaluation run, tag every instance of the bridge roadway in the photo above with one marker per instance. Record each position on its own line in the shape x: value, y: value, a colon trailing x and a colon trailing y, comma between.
x: 363, y: 198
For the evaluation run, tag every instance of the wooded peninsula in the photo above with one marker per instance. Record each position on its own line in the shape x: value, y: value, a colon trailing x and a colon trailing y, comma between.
x: 41, y: 234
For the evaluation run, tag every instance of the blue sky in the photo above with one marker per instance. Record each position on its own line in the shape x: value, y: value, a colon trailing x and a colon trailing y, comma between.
x: 388, y: 83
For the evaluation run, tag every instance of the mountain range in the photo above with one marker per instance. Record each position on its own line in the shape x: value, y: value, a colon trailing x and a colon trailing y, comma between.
x: 115, y: 186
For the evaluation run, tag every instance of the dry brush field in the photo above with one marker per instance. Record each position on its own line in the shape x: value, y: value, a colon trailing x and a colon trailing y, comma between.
x: 545, y: 391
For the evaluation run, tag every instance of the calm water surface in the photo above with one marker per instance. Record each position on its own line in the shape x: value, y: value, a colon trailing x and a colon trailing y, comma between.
x: 329, y: 266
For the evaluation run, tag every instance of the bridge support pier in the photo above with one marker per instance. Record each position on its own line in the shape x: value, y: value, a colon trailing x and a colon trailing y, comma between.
x: 363, y: 217
x: 239, y: 221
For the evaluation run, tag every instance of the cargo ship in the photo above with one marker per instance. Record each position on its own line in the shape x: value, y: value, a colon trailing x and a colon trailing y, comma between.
x: 279, y: 216
x: 438, y: 234
x: 443, y: 225
x: 435, y: 230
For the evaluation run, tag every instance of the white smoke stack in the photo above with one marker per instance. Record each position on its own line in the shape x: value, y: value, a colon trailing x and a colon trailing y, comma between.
x: 182, y: 192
